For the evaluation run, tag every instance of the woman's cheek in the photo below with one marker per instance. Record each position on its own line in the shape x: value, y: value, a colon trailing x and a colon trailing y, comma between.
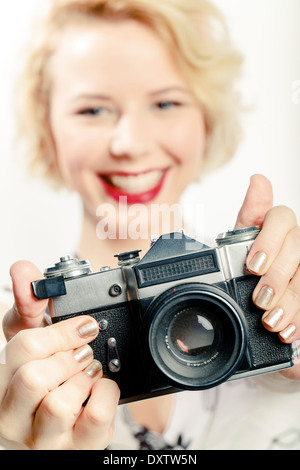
x: 187, y: 140
x: 72, y: 154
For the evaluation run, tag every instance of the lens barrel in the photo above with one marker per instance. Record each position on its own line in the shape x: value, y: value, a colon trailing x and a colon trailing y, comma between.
x: 196, y: 334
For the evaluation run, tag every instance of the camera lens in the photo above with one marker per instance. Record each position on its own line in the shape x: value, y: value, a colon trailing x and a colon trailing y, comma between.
x: 196, y: 335
x: 191, y: 334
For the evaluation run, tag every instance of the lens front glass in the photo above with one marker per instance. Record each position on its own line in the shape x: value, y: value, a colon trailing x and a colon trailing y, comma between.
x: 191, y: 334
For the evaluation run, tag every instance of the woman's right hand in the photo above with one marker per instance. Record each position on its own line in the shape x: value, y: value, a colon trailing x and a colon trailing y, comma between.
x: 48, y: 374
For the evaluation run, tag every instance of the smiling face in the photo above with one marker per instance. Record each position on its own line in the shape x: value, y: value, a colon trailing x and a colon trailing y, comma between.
x: 123, y: 119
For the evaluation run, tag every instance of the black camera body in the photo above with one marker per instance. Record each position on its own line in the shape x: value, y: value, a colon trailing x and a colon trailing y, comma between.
x: 181, y: 318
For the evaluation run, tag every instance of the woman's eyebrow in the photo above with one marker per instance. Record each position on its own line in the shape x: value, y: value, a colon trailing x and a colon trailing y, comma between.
x: 105, y: 97
x: 179, y: 88
x: 91, y: 96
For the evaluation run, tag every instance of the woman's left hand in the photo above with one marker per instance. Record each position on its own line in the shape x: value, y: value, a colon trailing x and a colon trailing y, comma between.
x: 275, y: 256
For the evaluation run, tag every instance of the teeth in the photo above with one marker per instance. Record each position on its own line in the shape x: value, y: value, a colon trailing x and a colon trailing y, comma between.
x: 137, y: 184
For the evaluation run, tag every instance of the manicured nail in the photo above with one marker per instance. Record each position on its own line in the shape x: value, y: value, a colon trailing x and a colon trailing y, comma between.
x: 93, y: 369
x: 83, y: 353
x: 273, y: 317
x: 287, y: 332
x: 88, y: 329
x: 258, y: 262
x: 264, y: 297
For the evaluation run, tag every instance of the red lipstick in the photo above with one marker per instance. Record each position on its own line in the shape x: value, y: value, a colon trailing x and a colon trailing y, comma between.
x: 132, y: 198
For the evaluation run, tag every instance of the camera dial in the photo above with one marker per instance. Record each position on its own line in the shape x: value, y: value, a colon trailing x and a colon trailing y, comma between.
x: 129, y: 258
x: 237, y: 236
x: 69, y: 267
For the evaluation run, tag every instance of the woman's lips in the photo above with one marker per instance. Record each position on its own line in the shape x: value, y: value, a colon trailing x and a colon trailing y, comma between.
x: 138, y: 188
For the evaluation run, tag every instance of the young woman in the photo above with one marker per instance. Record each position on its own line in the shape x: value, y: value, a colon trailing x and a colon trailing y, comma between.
x: 127, y: 102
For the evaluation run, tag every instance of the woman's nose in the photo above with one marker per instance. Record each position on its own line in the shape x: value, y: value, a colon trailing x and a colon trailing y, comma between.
x: 130, y: 138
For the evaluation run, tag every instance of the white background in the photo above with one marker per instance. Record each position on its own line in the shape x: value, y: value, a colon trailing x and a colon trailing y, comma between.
x: 40, y: 225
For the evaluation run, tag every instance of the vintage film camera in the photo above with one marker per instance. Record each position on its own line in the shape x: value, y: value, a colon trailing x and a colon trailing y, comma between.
x: 181, y: 318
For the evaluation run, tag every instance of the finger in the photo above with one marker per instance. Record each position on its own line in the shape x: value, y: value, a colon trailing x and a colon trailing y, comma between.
x: 32, y: 382
x: 278, y: 223
x: 285, y: 316
x: 27, y: 311
x: 275, y: 281
x: 58, y: 412
x: 40, y: 343
x: 258, y: 200
x: 95, y: 427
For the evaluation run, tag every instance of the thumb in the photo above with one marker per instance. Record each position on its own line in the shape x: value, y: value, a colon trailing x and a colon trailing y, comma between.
x: 257, y: 202
x: 27, y: 311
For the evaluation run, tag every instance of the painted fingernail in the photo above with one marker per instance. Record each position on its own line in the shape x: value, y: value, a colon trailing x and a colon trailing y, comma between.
x: 88, y: 329
x: 93, y: 369
x: 273, y: 317
x: 258, y: 262
x: 287, y: 332
x: 264, y: 297
x: 83, y: 353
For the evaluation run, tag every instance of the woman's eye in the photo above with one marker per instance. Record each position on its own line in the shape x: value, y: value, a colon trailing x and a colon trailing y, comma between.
x: 167, y: 105
x: 92, y: 111
x: 164, y: 105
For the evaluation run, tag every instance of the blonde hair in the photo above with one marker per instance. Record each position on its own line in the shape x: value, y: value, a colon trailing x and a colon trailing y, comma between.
x: 197, y: 37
